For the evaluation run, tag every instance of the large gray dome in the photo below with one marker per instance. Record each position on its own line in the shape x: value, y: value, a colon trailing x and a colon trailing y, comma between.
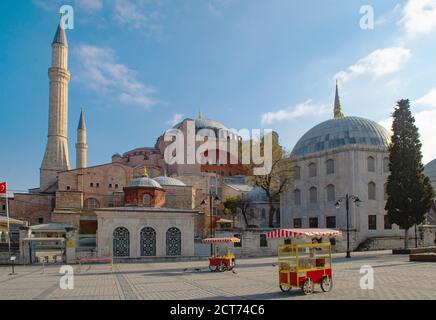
x: 168, y: 181
x: 340, y: 132
x: 145, y: 182
x: 430, y: 170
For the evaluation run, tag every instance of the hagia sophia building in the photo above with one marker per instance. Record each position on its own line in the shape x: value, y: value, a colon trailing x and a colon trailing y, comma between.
x: 137, y: 205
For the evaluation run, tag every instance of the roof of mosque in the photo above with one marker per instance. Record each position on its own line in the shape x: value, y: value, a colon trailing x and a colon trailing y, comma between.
x: 145, y: 182
x: 341, y: 131
x: 430, y: 170
x: 168, y: 181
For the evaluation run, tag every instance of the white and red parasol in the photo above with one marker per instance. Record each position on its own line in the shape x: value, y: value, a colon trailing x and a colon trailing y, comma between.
x: 222, y: 240
x: 302, y: 233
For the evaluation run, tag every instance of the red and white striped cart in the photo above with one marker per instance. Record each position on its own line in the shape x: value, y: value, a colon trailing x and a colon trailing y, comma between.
x: 306, y: 264
x: 222, y: 261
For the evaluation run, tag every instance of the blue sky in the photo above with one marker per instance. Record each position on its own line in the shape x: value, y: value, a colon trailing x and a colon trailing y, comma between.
x: 138, y: 65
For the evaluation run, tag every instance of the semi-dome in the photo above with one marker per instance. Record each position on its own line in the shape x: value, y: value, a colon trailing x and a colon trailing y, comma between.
x: 145, y: 182
x: 340, y: 132
x: 168, y: 181
x: 430, y: 170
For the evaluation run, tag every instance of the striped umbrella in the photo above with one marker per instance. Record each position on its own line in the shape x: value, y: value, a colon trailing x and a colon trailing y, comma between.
x: 221, y: 240
x: 301, y: 233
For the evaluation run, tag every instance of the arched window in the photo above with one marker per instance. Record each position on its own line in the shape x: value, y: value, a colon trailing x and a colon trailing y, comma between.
x: 297, y: 173
x: 371, y: 164
x: 313, y: 195
x: 312, y: 170
x: 91, y: 203
x: 371, y: 191
x: 148, y: 242
x: 174, y: 242
x: 331, y: 195
x: 121, y: 242
x: 147, y: 200
x: 386, y: 165
x: 330, y: 166
x: 297, y: 197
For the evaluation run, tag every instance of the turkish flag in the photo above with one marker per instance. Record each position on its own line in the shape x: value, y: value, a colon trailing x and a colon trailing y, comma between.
x: 3, y: 188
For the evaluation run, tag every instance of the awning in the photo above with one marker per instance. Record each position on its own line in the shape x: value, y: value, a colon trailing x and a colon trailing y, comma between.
x: 222, y: 240
x: 301, y: 233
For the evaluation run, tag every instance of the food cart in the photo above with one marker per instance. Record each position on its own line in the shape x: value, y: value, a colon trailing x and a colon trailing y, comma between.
x: 303, y: 265
x: 222, y: 260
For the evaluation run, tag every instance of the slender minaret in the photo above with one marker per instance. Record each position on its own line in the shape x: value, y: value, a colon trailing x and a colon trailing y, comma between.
x: 81, y: 146
x: 56, y: 153
x: 338, y: 106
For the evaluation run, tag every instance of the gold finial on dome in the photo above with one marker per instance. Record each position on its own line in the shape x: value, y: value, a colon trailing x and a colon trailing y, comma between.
x: 338, y: 113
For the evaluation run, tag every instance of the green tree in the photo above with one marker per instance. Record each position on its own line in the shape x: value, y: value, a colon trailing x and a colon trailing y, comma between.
x: 234, y: 204
x: 409, y: 191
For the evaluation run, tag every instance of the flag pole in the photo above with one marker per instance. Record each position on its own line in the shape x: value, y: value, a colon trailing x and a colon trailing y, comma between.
x: 8, y: 222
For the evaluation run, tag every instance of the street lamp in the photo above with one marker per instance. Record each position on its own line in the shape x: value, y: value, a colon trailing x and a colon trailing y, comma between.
x: 338, y: 204
x: 212, y: 200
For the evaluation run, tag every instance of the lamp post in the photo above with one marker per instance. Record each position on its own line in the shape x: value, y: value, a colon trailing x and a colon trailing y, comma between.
x: 211, y: 205
x: 347, y: 199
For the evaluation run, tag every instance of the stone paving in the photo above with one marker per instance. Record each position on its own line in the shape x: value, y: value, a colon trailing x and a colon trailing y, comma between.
x: 395, y: 278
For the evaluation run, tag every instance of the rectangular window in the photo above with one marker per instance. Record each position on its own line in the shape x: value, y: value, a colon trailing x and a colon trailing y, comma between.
x: 4, y: 207
x: 91, y: 185
x: 331, y: 222
x: 110, y: 185
x: 40, y: 220
x: 372, y: 222
x: 116, y: 186
x: 263, y: 241
x: 330, y: 166
x: 297, y: 173
x: 313, y: 223
x: 68, y: 188
x: 98, y: 185
x: 297, y: 223
x: 388, y: 224
x: 238, y: 244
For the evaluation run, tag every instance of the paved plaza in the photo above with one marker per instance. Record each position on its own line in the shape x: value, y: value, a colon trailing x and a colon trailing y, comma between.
x: 394, y: 278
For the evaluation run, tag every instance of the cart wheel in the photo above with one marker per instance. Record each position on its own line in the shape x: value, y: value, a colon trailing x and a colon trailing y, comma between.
x: 222, y: 267
x: 326, y: 284
x: 307, y: 287
x: 212, y: 268
x: 285, y: 288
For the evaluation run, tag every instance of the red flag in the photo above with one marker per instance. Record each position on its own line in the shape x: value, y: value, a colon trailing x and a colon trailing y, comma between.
x: 3, y: 188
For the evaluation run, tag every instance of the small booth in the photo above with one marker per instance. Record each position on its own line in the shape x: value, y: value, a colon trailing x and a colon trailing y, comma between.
x: 305, y: 264
x: 222, y: 259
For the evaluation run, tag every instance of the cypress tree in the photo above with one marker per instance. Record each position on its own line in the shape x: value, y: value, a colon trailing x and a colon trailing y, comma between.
x: 409, y: 191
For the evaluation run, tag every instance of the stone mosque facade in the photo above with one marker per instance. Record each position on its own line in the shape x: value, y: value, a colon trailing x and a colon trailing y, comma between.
x: 344, y: 155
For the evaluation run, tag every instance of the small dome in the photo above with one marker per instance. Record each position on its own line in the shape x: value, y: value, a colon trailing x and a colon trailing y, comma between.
x: 168, y: 181
x: 430, y: 170
x: 257, y: 194
x: 145, y: 182
x: 338, y: 132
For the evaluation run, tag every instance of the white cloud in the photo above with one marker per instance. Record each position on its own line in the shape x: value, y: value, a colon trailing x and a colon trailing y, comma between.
x: 419, y: 17
x: 301, y: 110
x: 100, y: 71
x: 175, y: 119
x: 90, y: 6
x: 425, y: 121
x: 379, y: 63
x: 216, y: 7
x: 139, y: 14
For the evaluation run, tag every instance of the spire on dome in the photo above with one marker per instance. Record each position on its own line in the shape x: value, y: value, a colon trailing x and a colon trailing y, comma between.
x: 338, y: 105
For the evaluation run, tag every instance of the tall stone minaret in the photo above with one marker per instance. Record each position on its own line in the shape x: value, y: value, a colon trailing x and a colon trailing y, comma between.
x: 56, y: 153
x: 81, y: 146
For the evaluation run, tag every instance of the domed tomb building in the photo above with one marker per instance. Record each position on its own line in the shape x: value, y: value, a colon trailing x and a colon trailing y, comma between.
x: 343, y: 155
